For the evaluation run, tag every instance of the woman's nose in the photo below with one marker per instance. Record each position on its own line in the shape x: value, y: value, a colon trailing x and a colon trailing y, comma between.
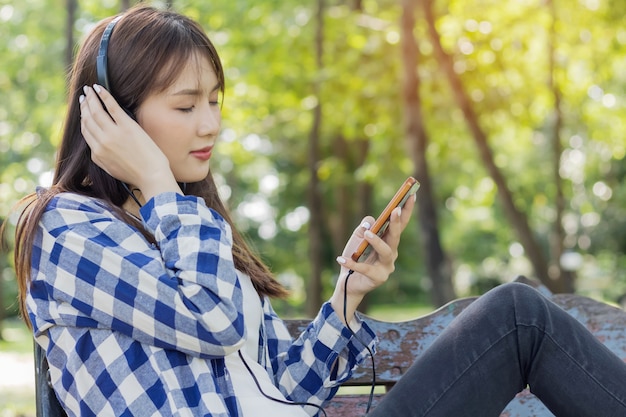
x: 210, y: 121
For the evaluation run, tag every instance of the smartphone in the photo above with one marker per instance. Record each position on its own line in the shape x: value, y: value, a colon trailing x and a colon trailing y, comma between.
x: 379, y: 227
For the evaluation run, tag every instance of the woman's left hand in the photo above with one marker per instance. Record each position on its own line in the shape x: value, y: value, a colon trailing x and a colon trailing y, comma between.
x: 375, y: 270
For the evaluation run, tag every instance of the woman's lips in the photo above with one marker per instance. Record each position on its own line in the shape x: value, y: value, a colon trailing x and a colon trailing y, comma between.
x: 203, y: 154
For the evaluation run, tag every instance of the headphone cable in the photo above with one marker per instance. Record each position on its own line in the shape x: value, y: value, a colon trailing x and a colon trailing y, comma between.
x: 281, y: 401
x: 278, y: 400
x: 345, y: 317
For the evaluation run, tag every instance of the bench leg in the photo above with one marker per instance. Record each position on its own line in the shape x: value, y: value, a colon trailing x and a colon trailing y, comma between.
x: 47, y: 403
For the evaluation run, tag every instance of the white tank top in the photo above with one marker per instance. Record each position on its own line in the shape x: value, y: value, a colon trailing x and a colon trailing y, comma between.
x: 252, y: 401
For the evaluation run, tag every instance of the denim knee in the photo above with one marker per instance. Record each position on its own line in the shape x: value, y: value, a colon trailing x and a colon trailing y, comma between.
x: 513, y: 297
x: 517, y: 291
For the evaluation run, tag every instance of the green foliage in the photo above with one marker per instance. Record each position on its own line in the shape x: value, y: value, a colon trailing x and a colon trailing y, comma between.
x: 501, y: 53
x: 32, y: 90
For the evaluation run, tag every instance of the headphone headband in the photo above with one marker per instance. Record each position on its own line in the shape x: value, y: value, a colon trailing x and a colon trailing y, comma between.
x: 101, y: 60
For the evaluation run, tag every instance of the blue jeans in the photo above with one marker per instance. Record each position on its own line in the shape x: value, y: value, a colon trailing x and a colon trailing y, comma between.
x: 510, y: 338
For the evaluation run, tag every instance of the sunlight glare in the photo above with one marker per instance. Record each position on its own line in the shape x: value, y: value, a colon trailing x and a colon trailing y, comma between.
x: 269, y: 183
x: 45, y: 179
x: 6, y: 12
x: 297, y: 218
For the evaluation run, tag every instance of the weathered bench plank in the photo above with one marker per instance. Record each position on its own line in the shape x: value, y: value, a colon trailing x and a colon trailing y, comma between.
x: 399, y: 343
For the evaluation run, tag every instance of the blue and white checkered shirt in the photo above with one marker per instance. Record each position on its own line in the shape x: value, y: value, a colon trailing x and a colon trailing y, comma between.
x: 135, y: 329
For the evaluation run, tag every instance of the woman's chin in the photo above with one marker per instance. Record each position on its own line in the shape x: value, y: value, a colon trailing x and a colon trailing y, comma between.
x: 189, y: 177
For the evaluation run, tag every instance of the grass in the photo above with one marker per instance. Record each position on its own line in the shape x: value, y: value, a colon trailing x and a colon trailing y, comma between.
x: 17, y: 403
x: 399, y: 312
x: 16, y: 337
x: 16, y: 346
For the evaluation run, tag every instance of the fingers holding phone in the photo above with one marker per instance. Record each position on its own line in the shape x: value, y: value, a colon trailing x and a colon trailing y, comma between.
x: 380, y: 226
x: 381, y: 250
x: 358, y: 235
x: 374, y: 258
x: 395, y: 229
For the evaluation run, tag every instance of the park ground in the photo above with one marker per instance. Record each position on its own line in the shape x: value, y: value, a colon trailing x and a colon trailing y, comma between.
x: 17, y: 375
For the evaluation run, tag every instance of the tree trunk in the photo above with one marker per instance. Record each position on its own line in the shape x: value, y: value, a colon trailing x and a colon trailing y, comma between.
x: 314, y: 293
x: 353, y: 200
x: 69, y: 33
x: 517, y: 218
x: 564, y: 280
x: 365, y: 190
x: 437, y: 265
x: 341, y: 217
x: 3, y: 244
x: 364, y: 198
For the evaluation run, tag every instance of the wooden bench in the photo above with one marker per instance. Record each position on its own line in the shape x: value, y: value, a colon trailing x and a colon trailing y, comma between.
x: 401, y: 342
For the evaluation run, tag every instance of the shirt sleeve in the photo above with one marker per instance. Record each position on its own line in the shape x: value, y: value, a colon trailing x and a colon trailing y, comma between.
x: 91, y: 269
x: 312, y: 367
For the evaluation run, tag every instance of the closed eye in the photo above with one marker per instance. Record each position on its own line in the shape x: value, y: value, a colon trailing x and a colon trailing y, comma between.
x: 214, y: 99
x: 186, y: 109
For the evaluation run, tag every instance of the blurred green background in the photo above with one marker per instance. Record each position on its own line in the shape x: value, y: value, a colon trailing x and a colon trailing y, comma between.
x: 511, y: 114
x: 310, y: 145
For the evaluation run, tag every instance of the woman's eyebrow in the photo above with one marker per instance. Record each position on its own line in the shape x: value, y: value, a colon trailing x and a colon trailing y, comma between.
x: 194, y: 91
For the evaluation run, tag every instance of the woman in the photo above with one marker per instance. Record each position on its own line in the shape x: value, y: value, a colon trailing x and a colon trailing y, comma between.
x: 148, y: 302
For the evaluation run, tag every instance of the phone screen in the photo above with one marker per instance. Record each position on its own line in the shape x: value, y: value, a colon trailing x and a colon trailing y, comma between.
x: 408, y: 188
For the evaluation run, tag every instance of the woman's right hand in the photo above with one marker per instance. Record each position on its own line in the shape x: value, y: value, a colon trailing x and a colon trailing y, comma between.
x: 121, y: 147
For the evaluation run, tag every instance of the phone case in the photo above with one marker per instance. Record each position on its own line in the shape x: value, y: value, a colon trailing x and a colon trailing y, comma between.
x: 408, y: 188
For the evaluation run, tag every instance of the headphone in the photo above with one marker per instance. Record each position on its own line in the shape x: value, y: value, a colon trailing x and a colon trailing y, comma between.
x: 102, y: 71
x: 103, y: 79
x: 101, y: 60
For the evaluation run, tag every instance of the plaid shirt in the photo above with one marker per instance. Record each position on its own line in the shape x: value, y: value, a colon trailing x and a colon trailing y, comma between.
x: 132, y: 328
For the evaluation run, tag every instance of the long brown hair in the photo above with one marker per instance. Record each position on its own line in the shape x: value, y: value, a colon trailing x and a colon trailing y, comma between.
x: 147, y: 51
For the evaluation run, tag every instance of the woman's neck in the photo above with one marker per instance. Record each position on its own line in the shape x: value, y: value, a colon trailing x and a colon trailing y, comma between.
x: 131, y: 206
